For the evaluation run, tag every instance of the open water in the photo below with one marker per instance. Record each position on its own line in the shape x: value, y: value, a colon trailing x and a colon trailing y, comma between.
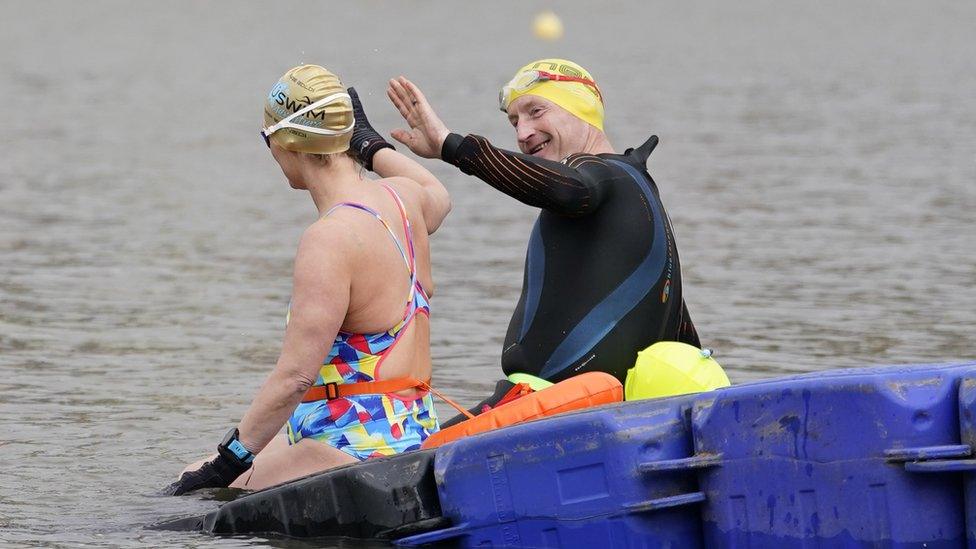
x: 818, y: 161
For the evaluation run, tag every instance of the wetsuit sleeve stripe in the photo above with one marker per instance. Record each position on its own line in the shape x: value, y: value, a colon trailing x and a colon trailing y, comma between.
x: 528, y: 169
x: 509, y: 172
x: 533, y: 181
x: 501, y: 175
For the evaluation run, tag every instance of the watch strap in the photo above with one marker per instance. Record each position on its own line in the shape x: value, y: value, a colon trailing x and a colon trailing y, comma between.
x: 232, y: 445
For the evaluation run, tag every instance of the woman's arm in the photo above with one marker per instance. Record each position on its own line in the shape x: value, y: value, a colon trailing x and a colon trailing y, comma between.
x: 436, y: 200
x: 320, y: 300
x: 380, y: 156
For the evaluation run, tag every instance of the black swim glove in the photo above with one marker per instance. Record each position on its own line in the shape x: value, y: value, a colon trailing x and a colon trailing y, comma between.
x: 216, y: 473
x: 365, y: 140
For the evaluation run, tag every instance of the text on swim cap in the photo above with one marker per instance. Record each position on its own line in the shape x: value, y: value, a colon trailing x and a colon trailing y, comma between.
x: 558, y: 67
x: 279, y: 95
x: 295, y: 106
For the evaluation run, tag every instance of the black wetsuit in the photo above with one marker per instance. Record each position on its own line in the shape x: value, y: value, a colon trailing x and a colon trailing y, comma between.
x: 602, y: 277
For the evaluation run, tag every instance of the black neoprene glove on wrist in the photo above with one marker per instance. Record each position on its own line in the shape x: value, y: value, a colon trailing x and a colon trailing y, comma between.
x: 216, y: 473
x: 365, y: 140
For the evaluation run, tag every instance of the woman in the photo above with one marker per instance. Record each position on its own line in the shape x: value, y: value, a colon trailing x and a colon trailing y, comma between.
x: 350, y: 383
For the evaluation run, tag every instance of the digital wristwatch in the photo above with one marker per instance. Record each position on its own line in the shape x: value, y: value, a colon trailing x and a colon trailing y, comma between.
x: 231, y: 448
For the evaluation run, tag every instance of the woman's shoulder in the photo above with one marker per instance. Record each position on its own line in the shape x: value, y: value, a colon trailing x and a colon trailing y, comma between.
x: 408, y: 190
x: 404, y: 186
x: 325, y: 256
x: 327, y: 236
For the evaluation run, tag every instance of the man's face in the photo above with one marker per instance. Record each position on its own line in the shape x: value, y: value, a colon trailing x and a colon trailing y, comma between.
x: 546, y: 130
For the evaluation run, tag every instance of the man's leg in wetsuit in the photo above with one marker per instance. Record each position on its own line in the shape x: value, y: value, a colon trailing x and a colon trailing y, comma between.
x: 686, y: 334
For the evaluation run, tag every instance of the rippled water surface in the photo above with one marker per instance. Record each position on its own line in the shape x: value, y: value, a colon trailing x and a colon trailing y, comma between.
x: 818, y: 163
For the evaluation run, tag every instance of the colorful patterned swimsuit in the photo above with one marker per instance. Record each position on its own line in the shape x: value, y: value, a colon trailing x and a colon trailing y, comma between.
x: 369, y: 425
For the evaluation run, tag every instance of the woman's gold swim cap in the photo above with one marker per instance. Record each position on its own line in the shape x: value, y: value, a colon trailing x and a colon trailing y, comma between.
x: 296, y: 90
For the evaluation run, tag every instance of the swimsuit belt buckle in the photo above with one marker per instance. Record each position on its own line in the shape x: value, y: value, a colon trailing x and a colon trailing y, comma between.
x: 331, y: 390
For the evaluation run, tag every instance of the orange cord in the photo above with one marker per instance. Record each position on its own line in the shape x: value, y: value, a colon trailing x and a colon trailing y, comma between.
x: 455, y: 405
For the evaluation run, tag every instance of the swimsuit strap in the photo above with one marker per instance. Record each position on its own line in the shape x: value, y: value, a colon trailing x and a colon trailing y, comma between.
x: 412, y: 264
x: 407, y: 253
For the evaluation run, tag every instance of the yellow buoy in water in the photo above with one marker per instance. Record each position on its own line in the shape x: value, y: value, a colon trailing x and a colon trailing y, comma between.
x: 547, y: 26
x: 670, y: 368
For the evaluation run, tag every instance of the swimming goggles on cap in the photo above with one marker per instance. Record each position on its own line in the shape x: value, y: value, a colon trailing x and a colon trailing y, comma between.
x: 525, y: 80
x: 286, y: 121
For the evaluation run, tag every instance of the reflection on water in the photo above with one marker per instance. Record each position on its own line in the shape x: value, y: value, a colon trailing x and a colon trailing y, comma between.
x: 818, y: 171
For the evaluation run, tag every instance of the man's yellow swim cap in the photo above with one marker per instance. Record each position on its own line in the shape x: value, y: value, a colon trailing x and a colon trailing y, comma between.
x: 329, y: 126
x: 582, y: 100
x: 670, y: 368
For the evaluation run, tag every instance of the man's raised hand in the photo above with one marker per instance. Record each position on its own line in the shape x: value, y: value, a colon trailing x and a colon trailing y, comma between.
x: 427, y: 133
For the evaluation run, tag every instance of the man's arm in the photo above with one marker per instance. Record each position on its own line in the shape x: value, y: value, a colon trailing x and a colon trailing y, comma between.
x: 541, y: 183
x: 537, y: 182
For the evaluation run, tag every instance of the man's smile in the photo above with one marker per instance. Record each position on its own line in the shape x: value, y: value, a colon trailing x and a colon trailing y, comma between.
x: 538, y: 148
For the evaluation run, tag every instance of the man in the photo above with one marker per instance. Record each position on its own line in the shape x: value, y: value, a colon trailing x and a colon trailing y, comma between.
x: 602, y: 277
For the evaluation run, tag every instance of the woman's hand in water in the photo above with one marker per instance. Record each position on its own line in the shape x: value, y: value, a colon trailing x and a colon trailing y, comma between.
x: 217, y: 472
x: 427, y: 133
